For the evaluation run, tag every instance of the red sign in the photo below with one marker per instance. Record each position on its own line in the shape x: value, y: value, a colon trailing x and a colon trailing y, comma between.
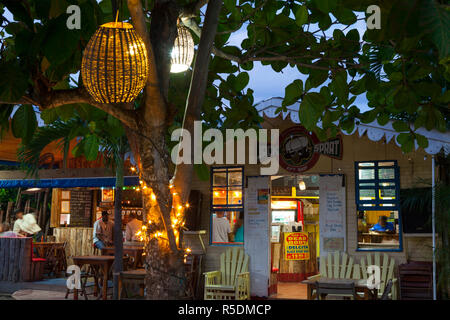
x: 300, y: 150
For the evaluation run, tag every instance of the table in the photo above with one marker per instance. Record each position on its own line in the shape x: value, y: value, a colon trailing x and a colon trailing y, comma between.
x: 360, y: 285
x: 100, y: 264
x: 133, y: 252
x: 54, y: 253
x: 132, y: 277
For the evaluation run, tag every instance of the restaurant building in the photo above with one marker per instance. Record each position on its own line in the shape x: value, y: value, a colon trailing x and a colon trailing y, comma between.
x: 335, y: 191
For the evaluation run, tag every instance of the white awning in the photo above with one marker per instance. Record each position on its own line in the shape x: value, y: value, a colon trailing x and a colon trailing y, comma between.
x: 437, y: 140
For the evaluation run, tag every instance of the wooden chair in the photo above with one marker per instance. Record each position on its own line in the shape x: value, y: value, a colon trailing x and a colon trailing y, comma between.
x: 336, y: 265
x: 387, y: 290
x: 416, y: 280
x: 233, y: 279
x: 346, y: 290
x: 386, y: 268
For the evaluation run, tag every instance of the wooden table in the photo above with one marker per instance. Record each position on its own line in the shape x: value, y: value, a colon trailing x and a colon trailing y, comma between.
x: 360, y: 286
x: 100, y: 264
x: 54, y: 253
x: 133, y: 252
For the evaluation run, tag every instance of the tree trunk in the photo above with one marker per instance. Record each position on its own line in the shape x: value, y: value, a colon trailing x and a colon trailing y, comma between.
x: 118, y: 236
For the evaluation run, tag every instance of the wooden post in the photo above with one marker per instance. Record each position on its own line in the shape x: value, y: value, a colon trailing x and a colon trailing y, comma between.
x: 9, y: 210
x: 19, y: 196
x: 43, y: 217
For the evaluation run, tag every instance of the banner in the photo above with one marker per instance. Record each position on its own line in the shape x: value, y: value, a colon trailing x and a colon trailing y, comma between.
x: 296, y: 246
x: 256, y: 234
x: 332, y: 217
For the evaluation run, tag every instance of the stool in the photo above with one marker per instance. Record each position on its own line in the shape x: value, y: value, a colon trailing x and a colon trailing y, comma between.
x: 37, y: 269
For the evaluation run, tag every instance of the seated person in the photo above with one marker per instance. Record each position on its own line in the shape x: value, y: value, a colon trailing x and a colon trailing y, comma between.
x: 7, y: 233
x: 133, y: 226
x: 103, y: 232
x: 30, y: 228
x: 383, y: 225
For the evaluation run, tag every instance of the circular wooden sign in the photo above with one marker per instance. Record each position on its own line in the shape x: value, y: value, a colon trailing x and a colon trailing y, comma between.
x: 297, y: 152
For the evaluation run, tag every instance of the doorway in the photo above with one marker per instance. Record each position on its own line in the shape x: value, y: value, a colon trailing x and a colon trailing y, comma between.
x: 294, y: 207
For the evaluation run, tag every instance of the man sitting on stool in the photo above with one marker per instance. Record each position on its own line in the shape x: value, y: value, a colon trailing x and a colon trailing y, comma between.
x: 133, y: 226
x: 103, y: 231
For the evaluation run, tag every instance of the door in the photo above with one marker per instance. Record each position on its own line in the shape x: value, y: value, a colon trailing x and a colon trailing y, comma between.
x: 256, y: 233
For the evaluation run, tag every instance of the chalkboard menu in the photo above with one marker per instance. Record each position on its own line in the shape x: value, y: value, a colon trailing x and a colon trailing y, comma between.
x: 80, y: 208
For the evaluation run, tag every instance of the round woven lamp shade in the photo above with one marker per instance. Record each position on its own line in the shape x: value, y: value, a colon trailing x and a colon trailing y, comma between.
x: 183, y: 51
x: 114, y: 68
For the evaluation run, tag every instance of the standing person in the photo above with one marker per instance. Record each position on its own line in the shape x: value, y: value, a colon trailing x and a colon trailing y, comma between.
x: 238, y: 229
x: 18, y: 214
x: 221, y: 228
x: 103, y: 231
x: 30, y: 228
x: 133, y: 226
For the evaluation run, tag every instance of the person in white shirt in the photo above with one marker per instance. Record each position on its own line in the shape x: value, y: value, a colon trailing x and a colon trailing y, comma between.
x: 221, y: 228
x: 103, y: 231
x: 17, y: 228
x: 133, y: 226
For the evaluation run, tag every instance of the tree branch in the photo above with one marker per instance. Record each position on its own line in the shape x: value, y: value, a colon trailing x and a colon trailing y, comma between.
x: 190, y: 11
x: 184, y: 172
x: 58, y: 98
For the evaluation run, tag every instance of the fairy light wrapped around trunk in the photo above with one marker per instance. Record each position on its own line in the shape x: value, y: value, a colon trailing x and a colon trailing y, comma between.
x: 115, y: 67
x: 183, y: 51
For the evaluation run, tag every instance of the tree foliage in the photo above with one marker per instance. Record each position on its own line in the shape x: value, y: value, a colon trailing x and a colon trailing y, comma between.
x: 403, y: 68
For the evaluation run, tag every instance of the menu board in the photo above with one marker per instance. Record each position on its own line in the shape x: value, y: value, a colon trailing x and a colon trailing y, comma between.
x: 80, y: 208
x: 332, y: 217
x: 256, y: 234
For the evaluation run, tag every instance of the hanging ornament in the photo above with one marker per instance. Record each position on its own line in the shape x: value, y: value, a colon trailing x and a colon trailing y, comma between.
x: 115, y: 67
x: 183, y: 51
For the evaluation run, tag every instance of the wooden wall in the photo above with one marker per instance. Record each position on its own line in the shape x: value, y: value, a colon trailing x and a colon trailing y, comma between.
x: 413, y: 168
x: 15, y: 259
x: 79, y: 241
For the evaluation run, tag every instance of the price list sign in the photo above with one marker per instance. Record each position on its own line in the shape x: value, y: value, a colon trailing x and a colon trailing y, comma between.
x: 296, y: 246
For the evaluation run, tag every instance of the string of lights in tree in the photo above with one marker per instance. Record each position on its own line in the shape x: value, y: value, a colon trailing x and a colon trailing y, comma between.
x: 149, y: 230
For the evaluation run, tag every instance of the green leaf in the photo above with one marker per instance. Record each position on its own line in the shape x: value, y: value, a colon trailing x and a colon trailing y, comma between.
x: 292, y: 93
x: 421, y: 141
x: 202, y: 171
x: 301, y: 16
x: 406, y: 141
x: 435, y: 20
x: 58, y: 37
x: 91, y: 147
x: 24, y: 122
x: 241, y: 81
x: 13, y: 83
x: 325, y: 5
x: 311, y: 108
x: 400, y: 126
x: 49, y: 115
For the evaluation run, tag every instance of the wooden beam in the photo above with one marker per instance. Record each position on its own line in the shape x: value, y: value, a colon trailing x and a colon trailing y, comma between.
x: 58, y: 174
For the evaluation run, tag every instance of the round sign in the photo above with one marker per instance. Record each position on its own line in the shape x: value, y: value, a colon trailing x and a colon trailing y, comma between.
x: 297, y: 149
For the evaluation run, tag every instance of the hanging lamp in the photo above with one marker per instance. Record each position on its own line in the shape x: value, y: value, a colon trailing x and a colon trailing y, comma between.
x: 183, y: 50
x: 115, y: 67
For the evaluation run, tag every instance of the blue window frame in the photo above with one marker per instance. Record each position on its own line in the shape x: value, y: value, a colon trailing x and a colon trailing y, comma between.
x: 377, y: 185
x: 377, y: 191
x: 227, y: 187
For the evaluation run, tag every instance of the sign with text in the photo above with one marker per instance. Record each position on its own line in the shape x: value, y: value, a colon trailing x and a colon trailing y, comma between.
x: 332, y: 218
x: 296, y: 246
x: 300, y: 149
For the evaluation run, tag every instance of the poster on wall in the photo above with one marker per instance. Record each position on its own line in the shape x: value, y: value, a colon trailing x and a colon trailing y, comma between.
x: 332, y: 217
x: 296, y: 246
x: 256, y: 234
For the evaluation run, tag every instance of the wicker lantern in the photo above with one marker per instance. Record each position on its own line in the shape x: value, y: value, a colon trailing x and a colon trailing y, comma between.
x: 115, y: 67
x: 183, y: 51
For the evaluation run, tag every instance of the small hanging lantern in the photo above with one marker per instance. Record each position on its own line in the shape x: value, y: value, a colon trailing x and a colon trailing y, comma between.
x: 115, y: 68
x: 183, y: 51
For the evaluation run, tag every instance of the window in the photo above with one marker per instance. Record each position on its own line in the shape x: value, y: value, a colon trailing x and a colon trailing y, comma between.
x: 227, y: 209
x: 378, y: 205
